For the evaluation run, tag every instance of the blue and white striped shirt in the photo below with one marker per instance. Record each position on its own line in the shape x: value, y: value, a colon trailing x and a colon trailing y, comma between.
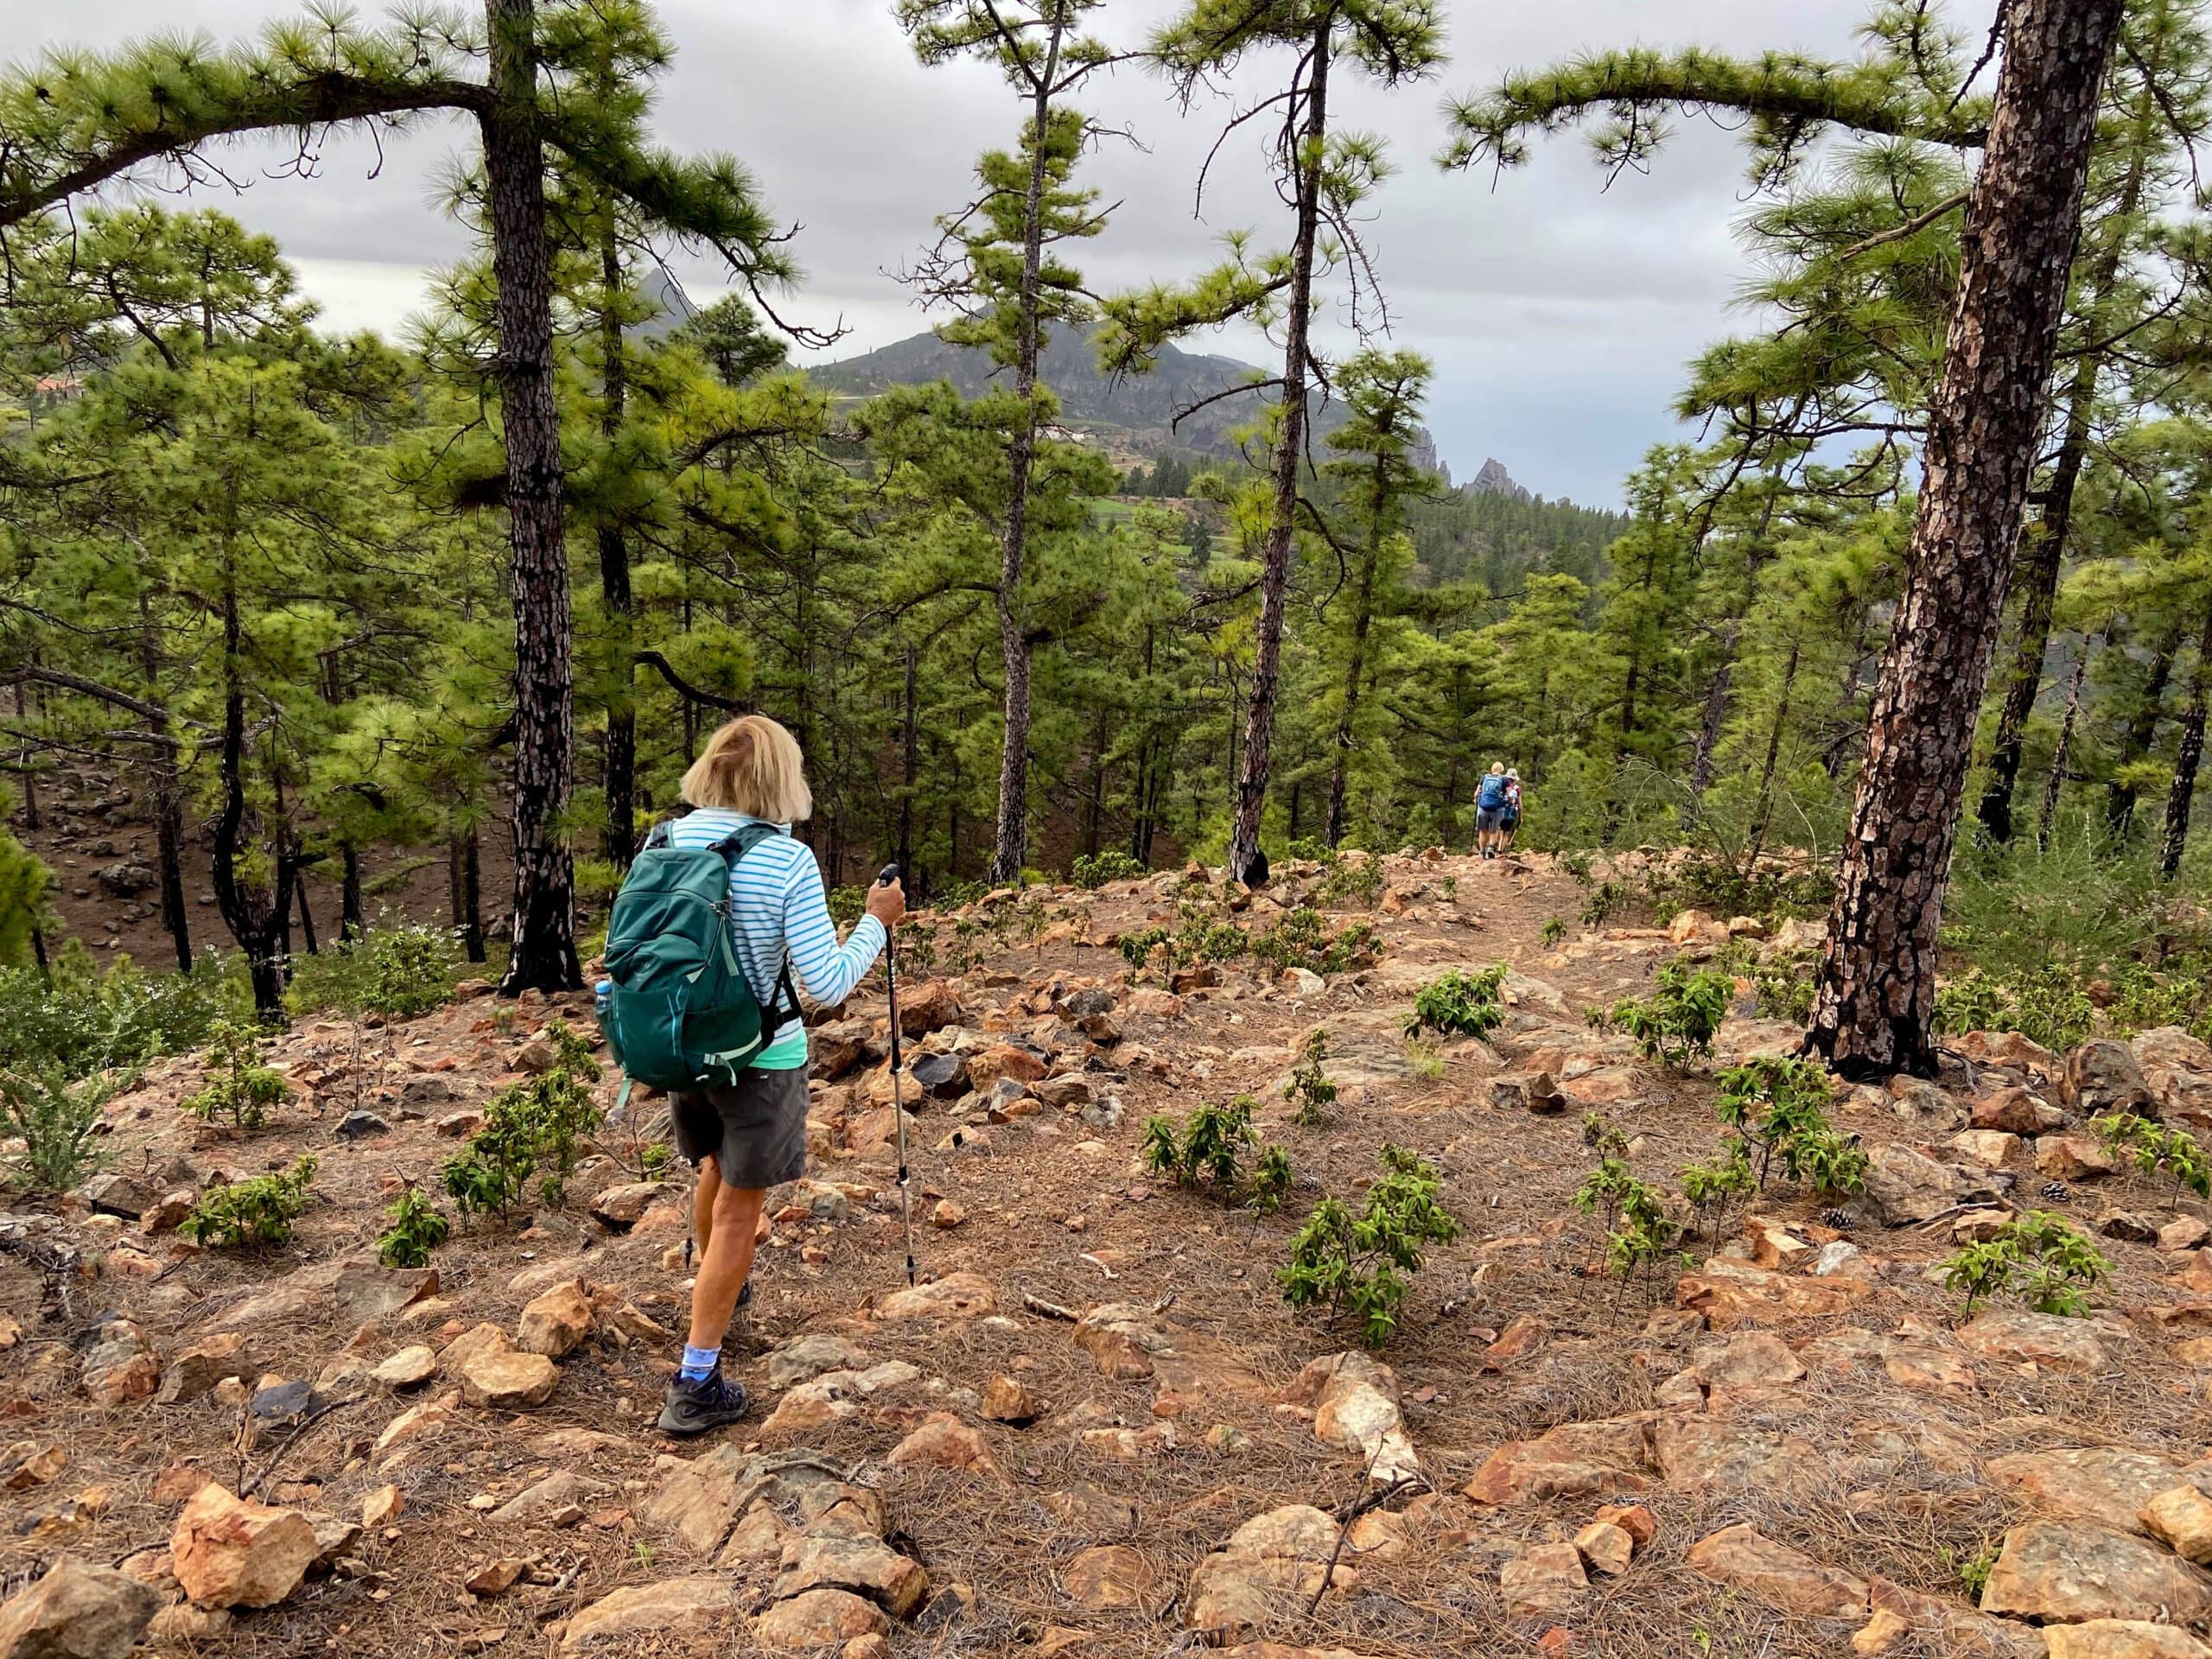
x: 781, y: 915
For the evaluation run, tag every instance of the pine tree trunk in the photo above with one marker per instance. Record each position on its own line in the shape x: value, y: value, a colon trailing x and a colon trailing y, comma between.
x: 2181, y: 794
x: 467, y: 891
x: 1010, y: 847
x: 620, y: 836
x: 1715, y: 713
x: 351, y: 926
x: 2037, y: 575
x: 307, y: 917
x: 544, y: 946
x: 24, y: 767
x: 2064, y: 752
x: 1875, y: 994
x: 910, y: 767
x: 254, y: 915
x: 2142, y: 727
x: 168, y: 799
x: 1763, y: 813
x: 1355, y: 670
x: 1276, y: 552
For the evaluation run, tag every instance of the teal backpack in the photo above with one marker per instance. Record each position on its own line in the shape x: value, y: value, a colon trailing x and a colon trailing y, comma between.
x: 678, y: 1014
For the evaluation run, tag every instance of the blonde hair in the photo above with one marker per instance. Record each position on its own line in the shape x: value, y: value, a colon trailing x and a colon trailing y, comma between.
x: 1498, y: 768
x: 752, y: 765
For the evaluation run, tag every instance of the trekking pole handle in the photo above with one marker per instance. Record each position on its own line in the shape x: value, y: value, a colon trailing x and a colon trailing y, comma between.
x: 889, y: 874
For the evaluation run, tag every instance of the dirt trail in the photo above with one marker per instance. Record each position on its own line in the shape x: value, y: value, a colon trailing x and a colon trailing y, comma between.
x: 1809, y: 1450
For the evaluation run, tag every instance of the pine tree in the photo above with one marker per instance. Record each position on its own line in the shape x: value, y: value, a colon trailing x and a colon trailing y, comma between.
x: 1323, y: 174
x: 73, y: 122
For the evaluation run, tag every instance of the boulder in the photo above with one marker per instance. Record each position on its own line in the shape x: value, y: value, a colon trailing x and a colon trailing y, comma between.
x: 2122, y: 1638
x: 508, y: 1381
x: 1989, y: 1148
x: 1357, y: 1411
x: 2011, y: 1111
x: 1745, y: 1559
x: 119, y: 1367
x: 233, y: 1551
x: 864, y: 1565
x: 2181, y: 1518
x: 805, y: 1357
x: 1571, y: 1460
x: 560, y: 1492
x: 2103, y: 1076
x: 1529, y: 1091
x: 2073, y: 1158
x: 1108, y: 1578
x: 195, y: 1370
x: 77, y: 1611
x: 1270, y: 1566
x: 2093, y: 1482
x: 1906, y: 1186
x: 1606, y: 1547
x: 2017, y: 1336
x: 555, y: 1323
x: 1730, y: 1292
x: 698, y: 1606
x: 928, y: 1006
x: 944, y: 1441
x: 818, y: 1618
x: 620, y: 1208
x: 2177, y: 1069
x: 1122, y: 1340
x: 410, y: 1368
x: 1007, y: 1400
x: 956, y: 1296
x: 2064, y: 1572
x: 27, y: 1463
x: 1544, y: 1581
x: 1701, y: 1453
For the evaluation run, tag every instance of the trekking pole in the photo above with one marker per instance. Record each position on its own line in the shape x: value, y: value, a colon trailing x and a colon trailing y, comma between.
x: 898, y: 1075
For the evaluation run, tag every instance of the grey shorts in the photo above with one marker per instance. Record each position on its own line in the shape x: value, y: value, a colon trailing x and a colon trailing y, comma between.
x: 1489, y: 820
x: 755, y: 1131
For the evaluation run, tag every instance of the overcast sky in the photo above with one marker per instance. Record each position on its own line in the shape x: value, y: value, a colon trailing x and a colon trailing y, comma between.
x: 1560, y: 313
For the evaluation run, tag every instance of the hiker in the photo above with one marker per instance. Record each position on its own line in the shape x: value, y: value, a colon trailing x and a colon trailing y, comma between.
x: 1490, y: 810
x: 749, y: 784
x: 1509, y: 821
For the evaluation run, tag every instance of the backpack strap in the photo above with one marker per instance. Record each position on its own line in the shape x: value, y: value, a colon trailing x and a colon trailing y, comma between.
x: 782, y: 1006
x: 658, y: 835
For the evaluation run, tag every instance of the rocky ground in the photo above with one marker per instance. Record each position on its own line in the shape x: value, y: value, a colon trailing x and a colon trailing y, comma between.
x: 1095, y: 1427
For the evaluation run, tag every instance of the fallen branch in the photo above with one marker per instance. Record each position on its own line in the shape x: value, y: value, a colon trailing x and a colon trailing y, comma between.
x: 1043, y: 1309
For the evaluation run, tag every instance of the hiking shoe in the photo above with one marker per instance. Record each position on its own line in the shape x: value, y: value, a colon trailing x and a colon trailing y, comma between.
x: 694, y: 1407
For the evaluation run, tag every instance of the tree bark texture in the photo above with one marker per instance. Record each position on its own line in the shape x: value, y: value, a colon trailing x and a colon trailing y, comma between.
x: 2181, y: 794
x: 544, y: 947
x: 2142, y: 727
x: 1276, y: 554
x: 1875, y: 995
x: 621, y: 833
x: 2062, y: 753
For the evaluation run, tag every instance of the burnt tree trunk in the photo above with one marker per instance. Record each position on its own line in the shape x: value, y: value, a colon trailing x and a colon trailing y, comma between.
x: 2181, y: 794
x: 166, y: 799
x: 620, y: 836
x: 255, y: 914
x: 2038, y: 576
x: 1875, y: 994
x: 464, y: 893
x: 1275, y: 554
x: 2064, y: 752
x: 351, y: 926
x: 544, y: 955
x: 1362, y: 620
x: 2142, y: 727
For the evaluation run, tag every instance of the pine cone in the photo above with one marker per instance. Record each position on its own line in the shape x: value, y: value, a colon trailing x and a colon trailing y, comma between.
x: 2056, y: 1193
x: 1838, y: 1219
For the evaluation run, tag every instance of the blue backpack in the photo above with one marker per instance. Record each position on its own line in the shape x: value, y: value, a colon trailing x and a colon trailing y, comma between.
x: 1491, y: 796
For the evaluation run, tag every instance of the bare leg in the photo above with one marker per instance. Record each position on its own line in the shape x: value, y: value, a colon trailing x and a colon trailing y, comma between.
x: 728, y: 1234
x: 703, y: 1208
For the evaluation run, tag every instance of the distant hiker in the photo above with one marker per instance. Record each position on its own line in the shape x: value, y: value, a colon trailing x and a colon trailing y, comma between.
x: 1490, y: 812
x: 676, y: 1013
x: 1509, y: 821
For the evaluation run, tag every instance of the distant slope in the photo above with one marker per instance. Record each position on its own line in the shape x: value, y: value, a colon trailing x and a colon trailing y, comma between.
x: 1132, y: 416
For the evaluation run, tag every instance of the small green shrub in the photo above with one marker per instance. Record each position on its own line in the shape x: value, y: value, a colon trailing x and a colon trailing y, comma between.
x: 1777, y: 1105
x: 1463, y: 1003
x: 1205, y: 1153
x: 1677, y: 1022
x: 1604, y: 898
x: 401, y: 972
x: 2038, y: 1258
x: 846, y: 904
x: 532, y: 1125
x: 84, y: 1021
x: 1361, y: 1262
x: 1302, y: 939
x: 1713, y: 1186
x: 2178, y: 994
x: 1423, y: 1062
x: 417, y: 1228
x: 1094, y: 871
x: 1138, y: 945
x: 2156, y: 1150
x: 56, y: 1119
x: 1555, y: 929
x: 239, y: 1087
x: 1311, y: 1091
x: 1637, y: 1230
x: 1349, y: 882
x: 2047, y: 1006
x: 252, y: 1212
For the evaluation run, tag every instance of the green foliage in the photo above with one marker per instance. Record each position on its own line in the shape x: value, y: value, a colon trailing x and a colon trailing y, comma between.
x: 2046, y: 1005
x: 1349, y: 881
x: 84, y: 1020
x: 249, y: 1213
x: 1777, y: 1106
x: 417, y: 1228
x: 529, y: 1126
x: 2037, y: 1257
x: 1422, y: 1060
x: 56, y: 1119
x: 1207, y: 1152
x: 1677, y: 1022
x: 1713, y: 1186
x: 1096, y: 870
x: 1138, y: 944
x: 1310, y: 1090
x: 1638, y: 1231
x: 401, y: 972
x: 846, y: 904
x: 1361, y: 1262
x: 1555, y: 929
x: 2157, y: 1149
x: 1462, y: 1003
x: 239, y: 1089
x: 1302, y: 939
